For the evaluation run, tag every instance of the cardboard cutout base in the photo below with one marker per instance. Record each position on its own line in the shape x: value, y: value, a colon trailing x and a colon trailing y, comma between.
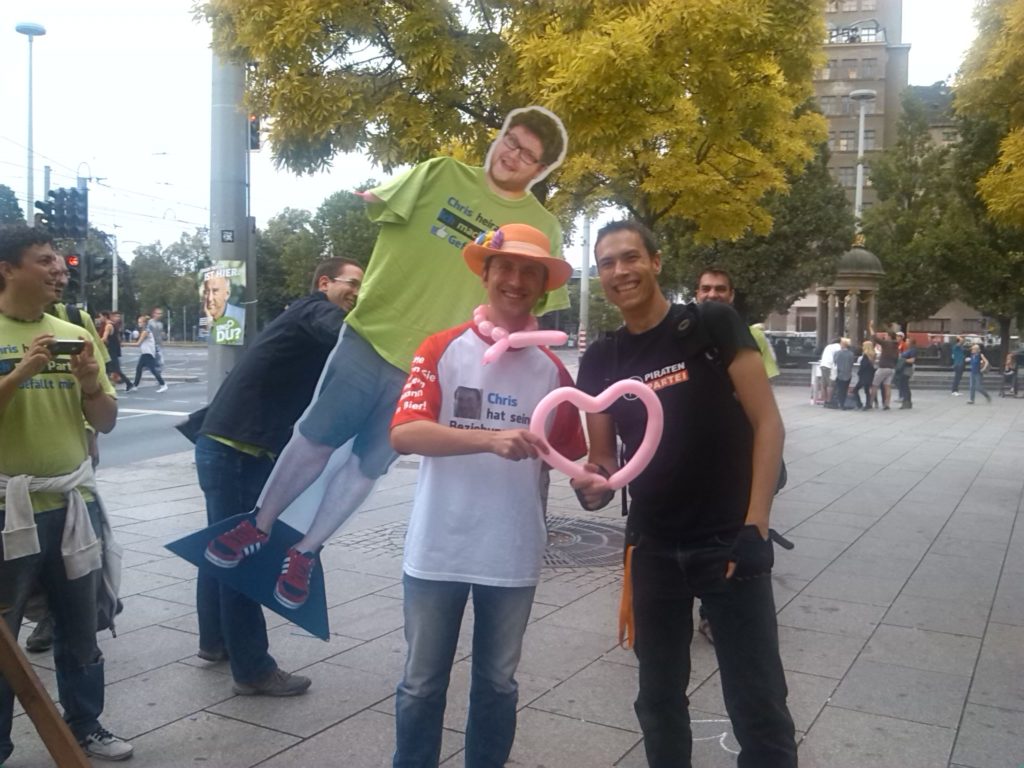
x: 256, y: 576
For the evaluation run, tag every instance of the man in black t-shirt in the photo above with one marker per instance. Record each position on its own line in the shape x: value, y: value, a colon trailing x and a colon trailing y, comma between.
x: 699, y: 512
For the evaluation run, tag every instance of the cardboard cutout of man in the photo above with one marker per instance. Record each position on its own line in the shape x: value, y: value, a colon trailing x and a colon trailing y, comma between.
x: 416, y: 284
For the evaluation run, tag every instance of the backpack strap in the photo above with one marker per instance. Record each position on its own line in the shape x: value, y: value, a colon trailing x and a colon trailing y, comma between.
x: 74, y: 314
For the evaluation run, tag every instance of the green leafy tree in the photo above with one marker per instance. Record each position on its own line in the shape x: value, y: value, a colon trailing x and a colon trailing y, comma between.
x: 292, y: 237
x: 10, y: 210
x: 272, y: 296
x: 913, y: 182
x: 167, y: 278
x: 674, y: 109
x: 813, y: 226
x: 343, y: 228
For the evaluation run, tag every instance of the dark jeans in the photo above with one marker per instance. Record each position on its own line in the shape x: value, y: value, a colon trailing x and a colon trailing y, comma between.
x: 842, y: 388
x: 76, y: 657
x: 231, y: 481
x: 958, y: 373
x: 148, y: 362
x: 904, y: 388
x: 742, y: 615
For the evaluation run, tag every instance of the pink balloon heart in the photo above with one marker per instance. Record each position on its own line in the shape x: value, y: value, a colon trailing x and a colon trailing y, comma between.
x: 588, y: 404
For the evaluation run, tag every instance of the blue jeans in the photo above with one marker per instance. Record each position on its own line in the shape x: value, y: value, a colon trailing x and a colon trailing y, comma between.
x: 666, y: 578
x: 958, y: 372
x: 433, y: 615
x: 231, y: 481
x: 76, y: 657
x: 977, y: 385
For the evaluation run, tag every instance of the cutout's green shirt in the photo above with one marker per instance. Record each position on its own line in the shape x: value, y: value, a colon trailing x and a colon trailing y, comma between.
x: 417, y: 282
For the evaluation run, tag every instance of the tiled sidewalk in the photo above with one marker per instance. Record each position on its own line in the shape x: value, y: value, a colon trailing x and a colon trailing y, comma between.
x: 901, y: 613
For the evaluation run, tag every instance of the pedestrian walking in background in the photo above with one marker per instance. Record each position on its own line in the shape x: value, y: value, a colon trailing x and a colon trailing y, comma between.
x: 978, y: 365
x: 147, y: 357
x: 959, y: 356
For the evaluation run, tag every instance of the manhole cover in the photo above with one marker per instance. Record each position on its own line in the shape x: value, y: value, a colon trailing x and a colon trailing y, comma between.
x: 575, y: 542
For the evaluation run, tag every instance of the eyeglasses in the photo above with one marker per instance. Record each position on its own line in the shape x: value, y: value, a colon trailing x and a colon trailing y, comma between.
x: 351, y: 282
x: 525, y: 155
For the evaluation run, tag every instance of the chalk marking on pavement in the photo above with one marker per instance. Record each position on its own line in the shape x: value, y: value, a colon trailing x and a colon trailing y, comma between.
x: 720, y: 737
x: 145, y: 412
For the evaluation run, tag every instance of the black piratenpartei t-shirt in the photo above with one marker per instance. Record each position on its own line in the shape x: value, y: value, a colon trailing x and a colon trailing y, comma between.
x: 698, y: 483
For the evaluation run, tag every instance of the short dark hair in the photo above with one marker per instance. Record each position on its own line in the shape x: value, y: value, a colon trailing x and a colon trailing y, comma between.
x: 331, y: 268
x: 628, y: 225
x: 716, y: 271
x: 541, y: 125
x: 15, y: 238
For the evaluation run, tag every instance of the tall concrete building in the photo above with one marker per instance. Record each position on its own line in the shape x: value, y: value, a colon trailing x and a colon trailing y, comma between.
x: 864, y: 51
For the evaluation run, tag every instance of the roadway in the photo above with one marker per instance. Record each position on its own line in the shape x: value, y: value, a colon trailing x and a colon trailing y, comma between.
x: 146, y: 418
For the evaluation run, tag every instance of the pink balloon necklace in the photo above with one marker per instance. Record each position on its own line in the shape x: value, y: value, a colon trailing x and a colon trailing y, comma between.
x: 504, y: 339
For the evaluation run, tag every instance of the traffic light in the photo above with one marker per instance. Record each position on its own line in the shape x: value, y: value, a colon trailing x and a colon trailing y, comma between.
x: 99, y: 266
x: 59, y: 221
x: 74, y: 287
x: 254, y: 132
x: 43, y: 219
x: 77, y: 214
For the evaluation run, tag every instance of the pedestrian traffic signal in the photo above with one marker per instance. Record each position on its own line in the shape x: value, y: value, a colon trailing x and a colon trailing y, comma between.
x: 254, y: 132
x: 77, y: 214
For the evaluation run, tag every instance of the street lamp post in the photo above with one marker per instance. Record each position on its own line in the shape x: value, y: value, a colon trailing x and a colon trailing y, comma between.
x: 862, y: 96
x: 32, y: 31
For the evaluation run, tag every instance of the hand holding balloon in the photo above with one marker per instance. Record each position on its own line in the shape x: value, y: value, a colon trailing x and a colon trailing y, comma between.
x: 644, y: 453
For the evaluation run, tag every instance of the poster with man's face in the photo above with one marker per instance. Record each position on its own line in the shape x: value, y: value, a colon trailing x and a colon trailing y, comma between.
x: 221, y: 289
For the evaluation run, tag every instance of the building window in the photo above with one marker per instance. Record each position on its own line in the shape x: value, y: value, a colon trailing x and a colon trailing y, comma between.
x: 951, y: 136
x: 831, y: 70
x: 869, y: 138
x: 848, y: 5
x: 848, y: 69
x: 868, y: 5
x: 831, y: 6
x: 867, y: 175
x: 831, y: 141
x: 847, y: 176
x: 869, y: 69
x: 847, y: 141
x: 864, y: 205
x: 829, y: 105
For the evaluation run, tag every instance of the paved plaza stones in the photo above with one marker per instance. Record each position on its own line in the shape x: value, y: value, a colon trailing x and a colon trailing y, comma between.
x: 901, y: 616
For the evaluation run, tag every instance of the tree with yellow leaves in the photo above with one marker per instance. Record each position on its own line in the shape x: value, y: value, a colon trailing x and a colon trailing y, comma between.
x: 676, y: 109
x: 991, y: 87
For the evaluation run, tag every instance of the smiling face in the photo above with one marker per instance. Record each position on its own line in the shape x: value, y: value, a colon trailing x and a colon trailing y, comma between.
x: 628, y: 273
x: 215, y: 296
x: 715, y: 286
x: 514, y: 285
x: 37, y: 278
x: 515, y: 160
x: 342, y: 290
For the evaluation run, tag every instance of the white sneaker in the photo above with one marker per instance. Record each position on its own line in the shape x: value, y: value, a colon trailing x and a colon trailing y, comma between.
x: 162, y: 388
x: 955, y: 394
x: 104, y: 745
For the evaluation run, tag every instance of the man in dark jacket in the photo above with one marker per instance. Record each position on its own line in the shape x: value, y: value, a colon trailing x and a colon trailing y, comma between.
x: 245, y: 428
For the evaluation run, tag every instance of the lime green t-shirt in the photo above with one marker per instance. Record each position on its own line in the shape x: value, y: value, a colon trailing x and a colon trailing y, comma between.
x: 42, y: 432
x: 417, y: 282
x: 770, y: 366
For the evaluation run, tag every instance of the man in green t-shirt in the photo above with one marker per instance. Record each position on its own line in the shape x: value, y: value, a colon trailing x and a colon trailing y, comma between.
x: 416, y: 285
x: 48, y: 391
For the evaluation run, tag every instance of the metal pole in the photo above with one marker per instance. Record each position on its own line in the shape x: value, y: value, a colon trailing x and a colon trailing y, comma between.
x: 581, y: 338
x: 113, y: 278
x: 229, y: 237
x: 863, y: 96
x: 30, y: 205
x: 83, y: 260
x: 31, y: 31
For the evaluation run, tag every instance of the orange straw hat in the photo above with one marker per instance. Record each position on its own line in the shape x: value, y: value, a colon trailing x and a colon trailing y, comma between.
x: 518, y: 240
